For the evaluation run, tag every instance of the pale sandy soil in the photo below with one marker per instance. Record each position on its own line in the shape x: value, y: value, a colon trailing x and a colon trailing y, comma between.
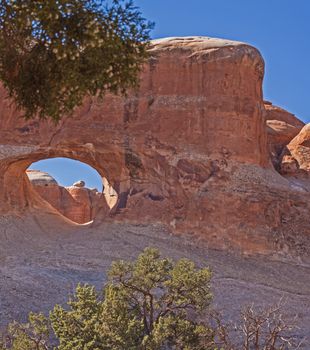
x: 41, y: 263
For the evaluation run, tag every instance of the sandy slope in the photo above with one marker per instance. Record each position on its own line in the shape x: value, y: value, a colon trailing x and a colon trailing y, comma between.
x: 41, y: 262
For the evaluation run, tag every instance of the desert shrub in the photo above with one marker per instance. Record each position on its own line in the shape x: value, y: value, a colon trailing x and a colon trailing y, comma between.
x: 264, y: 329
x: 32, y: 335
x: 152, y: 303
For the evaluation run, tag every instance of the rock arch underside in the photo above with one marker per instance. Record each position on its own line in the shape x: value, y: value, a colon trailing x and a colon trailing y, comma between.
x: 190, y: 149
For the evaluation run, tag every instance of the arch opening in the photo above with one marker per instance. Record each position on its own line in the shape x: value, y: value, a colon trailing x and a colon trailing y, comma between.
x: 73, y: 188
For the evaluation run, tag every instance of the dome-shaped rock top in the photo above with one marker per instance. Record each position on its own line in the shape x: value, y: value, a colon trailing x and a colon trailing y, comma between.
x: 40, y: 178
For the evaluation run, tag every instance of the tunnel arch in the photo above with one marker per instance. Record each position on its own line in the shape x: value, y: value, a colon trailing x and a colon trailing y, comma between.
x: 19, y: 192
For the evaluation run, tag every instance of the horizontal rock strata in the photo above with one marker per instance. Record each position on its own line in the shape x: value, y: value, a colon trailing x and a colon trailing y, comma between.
x: 189, y: 149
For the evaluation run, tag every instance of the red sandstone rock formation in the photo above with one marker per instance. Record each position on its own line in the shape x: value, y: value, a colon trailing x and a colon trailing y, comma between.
x: 77, y: 203
x: 282, y: 127
x: 295, y: 160
x: 188, y: 149
x: 87, y: 204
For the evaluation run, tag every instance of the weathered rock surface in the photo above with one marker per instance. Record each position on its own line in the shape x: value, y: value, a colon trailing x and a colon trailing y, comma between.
x: 277, y: 113
x: 295, y: 161
x: 41, y: 178
x: 80, y: 183
x: 299, y: 148
x: 282, y: 127
x: 77, y: 203
x: 187, y: 149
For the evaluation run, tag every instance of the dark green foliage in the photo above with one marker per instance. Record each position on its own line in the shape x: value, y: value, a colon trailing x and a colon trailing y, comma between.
x: 33, y: 335
x: 152, y: 303
x: 54, y: 52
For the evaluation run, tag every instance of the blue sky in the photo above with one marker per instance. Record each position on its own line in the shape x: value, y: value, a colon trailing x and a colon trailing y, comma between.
x: 280, y: 29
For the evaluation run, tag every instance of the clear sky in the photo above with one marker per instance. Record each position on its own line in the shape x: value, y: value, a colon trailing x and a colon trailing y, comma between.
x: 280, y: 29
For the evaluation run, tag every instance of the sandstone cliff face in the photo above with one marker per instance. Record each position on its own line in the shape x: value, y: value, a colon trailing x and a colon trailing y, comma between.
x: 288, y: 140
x: 282, y: 127
x: 77, y: 203
x: 299, y: 148
x: 295, y: 160
x: 187, y: 149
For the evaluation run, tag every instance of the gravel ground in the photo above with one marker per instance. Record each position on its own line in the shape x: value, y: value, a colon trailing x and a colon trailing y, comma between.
x: 41, y: 261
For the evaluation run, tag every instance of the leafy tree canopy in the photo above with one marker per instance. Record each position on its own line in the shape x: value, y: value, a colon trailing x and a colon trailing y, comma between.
x: 54, y: 52
x: 152, y: 303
